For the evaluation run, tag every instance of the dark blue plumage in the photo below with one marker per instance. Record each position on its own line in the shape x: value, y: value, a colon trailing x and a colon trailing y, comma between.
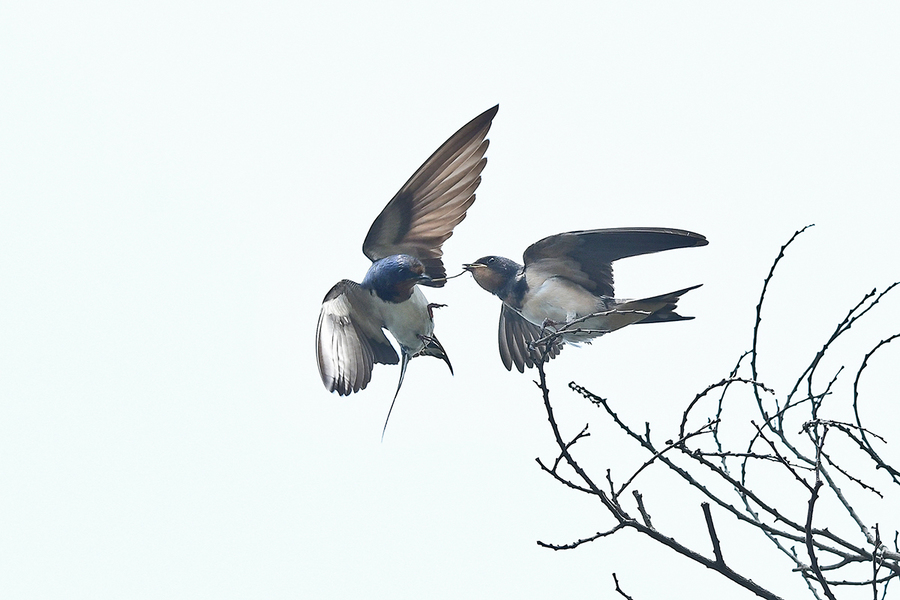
x: 393, y: 278
x: 404, y: 245
x: 568, y: 277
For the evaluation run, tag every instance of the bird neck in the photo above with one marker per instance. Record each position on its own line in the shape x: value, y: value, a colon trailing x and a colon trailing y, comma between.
x: 513, y: 292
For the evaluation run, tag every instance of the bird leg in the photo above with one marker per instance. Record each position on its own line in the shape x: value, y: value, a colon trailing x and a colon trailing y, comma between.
x: 550, y: 324
x: 432, y: 306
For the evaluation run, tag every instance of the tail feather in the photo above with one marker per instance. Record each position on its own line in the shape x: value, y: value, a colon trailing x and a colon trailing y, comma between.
x: 666, y: 312
x: 433, y: 348
x: 404, y: 361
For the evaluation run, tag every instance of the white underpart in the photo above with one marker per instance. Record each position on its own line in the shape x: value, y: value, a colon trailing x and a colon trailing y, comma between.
x: 408, y: 320
x: 559, y: 300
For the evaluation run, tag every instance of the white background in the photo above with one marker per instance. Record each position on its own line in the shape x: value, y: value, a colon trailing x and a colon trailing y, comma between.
x: 182, y: 182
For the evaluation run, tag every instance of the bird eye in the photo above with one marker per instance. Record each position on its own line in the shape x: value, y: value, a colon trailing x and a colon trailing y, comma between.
x: 491, y: 260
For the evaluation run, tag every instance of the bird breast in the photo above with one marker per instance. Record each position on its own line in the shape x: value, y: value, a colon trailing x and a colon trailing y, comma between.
x: 559, y: 300
x: 408, y: 320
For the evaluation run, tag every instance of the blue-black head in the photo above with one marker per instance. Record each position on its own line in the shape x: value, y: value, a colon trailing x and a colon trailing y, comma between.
x: 496, y: 274
x: 394, y: 277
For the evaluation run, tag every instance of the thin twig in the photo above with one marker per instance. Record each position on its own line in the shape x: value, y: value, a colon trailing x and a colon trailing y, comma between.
x: 709, y: 388
x: 711, y: 528
x: 865, y: 444
x: 813, y: 496
x: 577, y: 543
x: 756, y: 324
x: 641, y: 508
x: 618, y: 589
x: 669, y: 446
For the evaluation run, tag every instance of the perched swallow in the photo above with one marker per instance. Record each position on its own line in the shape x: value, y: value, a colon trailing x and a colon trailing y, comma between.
x: 568, y: 277
x: 404, y: 245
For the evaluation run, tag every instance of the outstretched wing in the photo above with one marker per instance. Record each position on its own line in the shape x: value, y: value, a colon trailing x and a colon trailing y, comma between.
x: 586, y: 257
x: 422, y: 215
x: 515, y: 333
x: 348, y: 341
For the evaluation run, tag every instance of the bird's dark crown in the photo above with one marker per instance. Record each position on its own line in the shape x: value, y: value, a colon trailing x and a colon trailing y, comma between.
x: 394, y: 277
x: 494, y: 273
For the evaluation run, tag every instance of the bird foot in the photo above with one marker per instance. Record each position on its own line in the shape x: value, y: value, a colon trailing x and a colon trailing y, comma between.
x: 550, y: 324
x: 432, y: 306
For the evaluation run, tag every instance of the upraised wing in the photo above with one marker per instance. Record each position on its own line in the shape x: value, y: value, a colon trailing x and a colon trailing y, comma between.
x: 422, y: 215
x: 586, y: 257
x: 348, y: 342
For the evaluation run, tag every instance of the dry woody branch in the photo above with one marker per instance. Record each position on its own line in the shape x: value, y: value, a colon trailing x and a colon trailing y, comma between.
x: 792, y: 437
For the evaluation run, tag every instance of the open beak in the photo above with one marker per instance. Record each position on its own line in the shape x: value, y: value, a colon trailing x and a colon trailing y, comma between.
x: 470, y: 267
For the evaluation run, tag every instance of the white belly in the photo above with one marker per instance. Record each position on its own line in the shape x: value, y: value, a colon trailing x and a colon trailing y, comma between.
x: 408, y: 320
x: 559, y: 300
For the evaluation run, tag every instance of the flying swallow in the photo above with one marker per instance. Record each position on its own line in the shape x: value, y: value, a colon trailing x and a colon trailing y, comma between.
x: 568, y: 277
x: 404, y: 245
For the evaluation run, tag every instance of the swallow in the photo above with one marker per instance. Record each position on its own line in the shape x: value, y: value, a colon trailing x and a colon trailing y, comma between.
x: 404, y: 245
x: 568, y: 277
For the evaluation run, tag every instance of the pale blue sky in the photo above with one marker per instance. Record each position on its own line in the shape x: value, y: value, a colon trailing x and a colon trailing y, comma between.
x: 182, y: 182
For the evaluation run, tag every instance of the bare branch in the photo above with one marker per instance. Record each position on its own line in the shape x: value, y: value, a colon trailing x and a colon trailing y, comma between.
x: 756, y: 324
x: 618, y: 589
x: 615, y: 509
x: 577, y: 543
x: 669, y: 446
x: 865, y: 444
x: 780, y: 458
x: 583, y: 433
x: 562, y: 479
x: 802, y: 454
x: 814, y: 562
x: 723, y: 383
x: 711, y: 528
x: 641, y: 509
x: 855, y: 480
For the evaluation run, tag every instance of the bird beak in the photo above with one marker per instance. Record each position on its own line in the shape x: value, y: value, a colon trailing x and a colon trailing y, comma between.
x: 470, y: 267
x: 430, y: 282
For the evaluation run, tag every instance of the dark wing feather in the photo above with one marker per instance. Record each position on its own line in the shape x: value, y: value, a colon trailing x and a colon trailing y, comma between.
x: 515, y: 333
x: 347, y: 345
x: 422, y: 215
x: 586, y: 257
